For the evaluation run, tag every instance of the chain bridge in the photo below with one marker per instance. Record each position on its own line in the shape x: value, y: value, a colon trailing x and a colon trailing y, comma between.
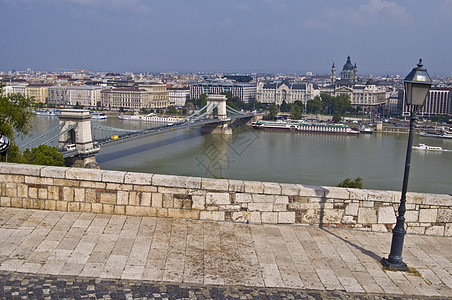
x: 79, y: 145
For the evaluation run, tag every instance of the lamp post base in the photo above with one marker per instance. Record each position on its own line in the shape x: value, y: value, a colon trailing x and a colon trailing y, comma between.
x: 398, y: 266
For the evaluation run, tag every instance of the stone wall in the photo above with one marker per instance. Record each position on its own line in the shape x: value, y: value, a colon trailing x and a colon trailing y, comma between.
x: 143, y: 194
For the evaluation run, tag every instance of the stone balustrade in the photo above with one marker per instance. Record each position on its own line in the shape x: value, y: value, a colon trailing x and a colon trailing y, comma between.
x: 144, y: 194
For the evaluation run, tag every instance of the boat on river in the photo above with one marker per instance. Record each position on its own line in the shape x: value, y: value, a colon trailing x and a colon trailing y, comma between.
x: 444, y: 134
x: 47, y: 112
x: 98, y: 115
x: 304, y: 127
x: 428, y: 148
x: 150, y: 118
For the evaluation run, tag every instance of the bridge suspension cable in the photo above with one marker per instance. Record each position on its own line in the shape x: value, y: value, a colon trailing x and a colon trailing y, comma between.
x: 108, y: 128
x: 35, y: 141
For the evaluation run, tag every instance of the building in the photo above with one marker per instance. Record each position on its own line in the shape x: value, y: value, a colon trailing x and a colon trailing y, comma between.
x: 394, y: 105
x: 245, y: 91
x: 438, y: 102
x: 158, y: 95
x: 86, y: 96
x: 178, y: 96
x: 349, y: 74
x: 38, y: 92
x: 279, y: 91
x: 18, y: 88
x: 124, y: 98
x: 151, y: 96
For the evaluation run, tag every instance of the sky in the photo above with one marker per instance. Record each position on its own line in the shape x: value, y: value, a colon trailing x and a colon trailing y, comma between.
x: 232, y: 36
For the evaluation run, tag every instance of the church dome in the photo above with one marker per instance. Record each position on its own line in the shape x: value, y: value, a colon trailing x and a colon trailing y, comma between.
x: 348, y: 65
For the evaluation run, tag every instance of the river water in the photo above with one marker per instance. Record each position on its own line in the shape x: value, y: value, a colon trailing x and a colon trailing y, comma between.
x: 305, y: 158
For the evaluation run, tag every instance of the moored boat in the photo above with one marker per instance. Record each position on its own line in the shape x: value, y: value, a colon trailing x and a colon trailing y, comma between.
x: 441, y: 134
x: 98, y: 115
x: 150, y: 118
x: 305, y: 127
x: 428, y: 148
x: 47, y: 112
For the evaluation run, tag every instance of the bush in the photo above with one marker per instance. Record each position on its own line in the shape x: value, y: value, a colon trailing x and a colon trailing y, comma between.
x: 357, y: 183
x: 44, y: 155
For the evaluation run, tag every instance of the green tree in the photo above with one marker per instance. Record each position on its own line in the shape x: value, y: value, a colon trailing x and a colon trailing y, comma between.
x: 441, y: 119
x: 284, y: 107
x: 357, y: 183
x: 16, y: 116
x: 337, y: 118
x: 172, y: 110
x: 296, y: 110
x: 314, y: 106
x: 44, y: 155
x: 273, y: 111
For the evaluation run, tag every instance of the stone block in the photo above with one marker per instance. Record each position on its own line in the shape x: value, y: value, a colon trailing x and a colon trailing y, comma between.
x: 183, y: 214
x: 379, y: 228
x: 5, y: 201
x: 269, y: 217
x: 246, y: 216
x: 444, y: 215
x: 352, y: 209
x: 53, y: 192
x: 367, y: 216
x: 357, y: 194
x: 386, y: 215
x: 146, y: 199
x: 74, y: 206
x: 141, y: 211
x: 243, y: 198
x: 68, y: 193
x: 348, y: 220
x: 119, y: 210
x: 311, y: 191
x: 168, y: 201
x: 380, y: 196
x: 199, y: 202
x: 97, y: 208
x: 12, y: 178
x: 236, y: 186
x: 332, y: 216
x: 254, y: 187
x: 107, y: 208
x: 436, y: 199
x: 62, y: 205
x: 411, y: 216
x: 16, y: 202
x: 85, y: 207
x: 260, y: 206
x: 11, y: 189
x: 138, y: 178
x: 288, y: 189
x: 448, y: 229
x: 281, y: 200
x: 54, y: 172
x: 38, y: 180
x: 286, y: 217
x: 144, y: 188
x: 84, y: 174
x: 217, y: 199
x: 214, y: 184
x: 212, y: 215
x: 66, y: 182
x: 176, y: 181
x: 367, y: 203
x: 428, y: 215
x: 20, y: 169
x: 415, y: 198
x: 263, y: 198
x: 122, y: 198
x: 113, y: 176
x: 272, y: 188
x: 108, y: 198
x: 134, y: 198
x: 336, y: 193
x: 415, y: 229
x: 279, y: 207
x: 79, y: 194
x: 92, y: 184
x: 435, y: 230
x: 157, y: 200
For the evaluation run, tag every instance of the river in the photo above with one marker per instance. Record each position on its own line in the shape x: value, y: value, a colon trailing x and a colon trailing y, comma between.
x: 305, y: 158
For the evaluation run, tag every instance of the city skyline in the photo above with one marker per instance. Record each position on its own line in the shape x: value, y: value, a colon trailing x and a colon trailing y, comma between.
x: 262, y: 36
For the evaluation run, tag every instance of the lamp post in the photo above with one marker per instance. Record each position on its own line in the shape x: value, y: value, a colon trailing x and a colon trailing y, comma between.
x: 417, y: 84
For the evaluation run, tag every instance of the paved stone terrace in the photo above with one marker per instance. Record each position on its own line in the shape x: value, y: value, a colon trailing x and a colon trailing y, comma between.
x: 59, y: 249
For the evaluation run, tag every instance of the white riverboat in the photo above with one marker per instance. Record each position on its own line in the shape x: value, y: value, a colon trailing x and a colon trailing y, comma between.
x: 98, y: 115
x: 47, y: 112
x: 428, y: 148
x: 305, y: 127
x: 150, y: 118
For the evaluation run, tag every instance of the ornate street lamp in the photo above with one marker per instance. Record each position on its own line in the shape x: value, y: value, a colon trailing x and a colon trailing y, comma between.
x: 4, y: 145
x: 417, y: 85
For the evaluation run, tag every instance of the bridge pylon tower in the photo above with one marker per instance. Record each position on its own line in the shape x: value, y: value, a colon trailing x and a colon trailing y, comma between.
x: 77, y: 142
x: 222, y: 127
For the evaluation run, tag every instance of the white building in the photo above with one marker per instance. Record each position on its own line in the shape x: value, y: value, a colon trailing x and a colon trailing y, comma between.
x: 17, y: 88
x: 438, y: 102
x: 279, y: 91
x: 87, y: 96
x: 245, y: 91
x: 178, y: 96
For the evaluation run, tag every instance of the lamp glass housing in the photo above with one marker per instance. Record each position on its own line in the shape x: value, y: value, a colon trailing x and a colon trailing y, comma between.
x: 417, y: 85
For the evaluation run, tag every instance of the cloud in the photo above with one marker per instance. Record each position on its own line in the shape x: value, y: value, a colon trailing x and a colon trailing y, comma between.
x: 374, y: 11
